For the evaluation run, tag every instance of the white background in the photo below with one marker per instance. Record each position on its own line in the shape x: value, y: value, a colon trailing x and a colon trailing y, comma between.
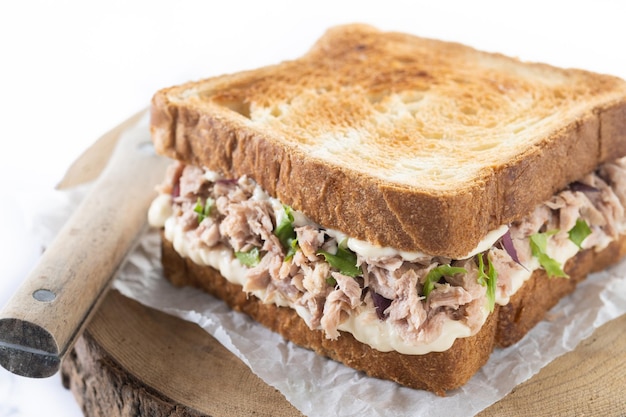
x: 71, y: 70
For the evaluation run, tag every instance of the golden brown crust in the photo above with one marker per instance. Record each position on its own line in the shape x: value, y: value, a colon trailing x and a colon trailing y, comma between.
x: 272, y: 124
x: 437, y: 371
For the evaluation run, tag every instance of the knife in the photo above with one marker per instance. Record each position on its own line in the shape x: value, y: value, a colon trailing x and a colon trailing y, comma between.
x: 49, y: 311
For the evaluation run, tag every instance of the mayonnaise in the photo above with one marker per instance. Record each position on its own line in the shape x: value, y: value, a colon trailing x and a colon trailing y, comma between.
x: 363, y: 324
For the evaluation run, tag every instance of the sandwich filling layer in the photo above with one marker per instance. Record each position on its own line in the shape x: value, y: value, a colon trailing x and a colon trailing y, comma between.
x: 410, y: 302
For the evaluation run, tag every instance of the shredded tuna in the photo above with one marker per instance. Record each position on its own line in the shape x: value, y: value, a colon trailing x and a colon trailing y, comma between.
x: 532, y: 223
x: 382, y: 280
x: 468, y: 281
x: 336, y: 310
x: 315, y: 276
x: 259, y: 276
x: 472, y: 314
x: 445, y: 295
x: 171, y: 183
x: 310, y: 240
x: 289, y: 269
x: 189, y: 219
x: 431, y: 328
x: 315, y: 306
x: 614, y: 173
x: 350, y: 287
x: 209, y: 233
x: 192, y: 181
x: 506, y: 268
x: 407, y: 310
x: 242, y: 219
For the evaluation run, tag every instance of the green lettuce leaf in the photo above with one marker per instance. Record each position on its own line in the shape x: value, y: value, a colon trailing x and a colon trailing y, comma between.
x: 286, y: 233
x: 250, y: 258
x: 437, y: 273
x: 293, y: 247
x: 539, y: 247
x: 579, y: 232
x: 203, y: 210
x: 344, y: 260
x: 488, y: 278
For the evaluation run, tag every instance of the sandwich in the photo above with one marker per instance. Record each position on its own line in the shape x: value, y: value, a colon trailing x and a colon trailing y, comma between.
x: 398, y: 204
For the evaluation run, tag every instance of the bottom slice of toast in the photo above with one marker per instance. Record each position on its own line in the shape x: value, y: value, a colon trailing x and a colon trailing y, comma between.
x: 436, y: 371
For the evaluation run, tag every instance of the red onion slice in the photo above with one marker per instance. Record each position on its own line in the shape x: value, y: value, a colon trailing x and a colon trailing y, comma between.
x: 227, y: 181
x: 381, y: 303
x: 585, y: 188
x: 507, y: 245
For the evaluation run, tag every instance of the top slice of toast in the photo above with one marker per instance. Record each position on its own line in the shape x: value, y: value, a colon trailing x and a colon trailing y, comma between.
x: 402, y: 141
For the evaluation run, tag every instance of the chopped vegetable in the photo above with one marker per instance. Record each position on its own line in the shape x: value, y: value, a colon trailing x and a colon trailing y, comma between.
x: 227, y: 181
x: 250, y: 258
x: 435, y: 274
x: 286, y: 233
x: 539, y: 246
x: 203, y: 211
x: 583, y: 188
x: 293, y: 247
x: 331, y: 281
x: 344, y: 260
x: 509, y: 247
x: 488, y: 278
x: 381, y: 304
x: 579, y: 232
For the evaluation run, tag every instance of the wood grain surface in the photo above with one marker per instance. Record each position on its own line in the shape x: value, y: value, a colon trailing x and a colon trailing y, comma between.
x: 45, y: 315
x: 133, y: 360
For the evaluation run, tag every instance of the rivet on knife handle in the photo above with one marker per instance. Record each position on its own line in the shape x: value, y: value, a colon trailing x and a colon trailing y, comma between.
x: 42, y: 320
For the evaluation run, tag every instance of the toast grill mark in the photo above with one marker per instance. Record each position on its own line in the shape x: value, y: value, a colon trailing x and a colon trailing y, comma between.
x: 245, y: 219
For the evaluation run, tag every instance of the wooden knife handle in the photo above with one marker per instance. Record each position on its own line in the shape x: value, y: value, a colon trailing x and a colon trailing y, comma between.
x: 43, y: 319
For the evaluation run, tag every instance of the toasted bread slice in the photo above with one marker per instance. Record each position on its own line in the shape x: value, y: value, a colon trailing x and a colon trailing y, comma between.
x: 436, y: 371
x: 401, y: 141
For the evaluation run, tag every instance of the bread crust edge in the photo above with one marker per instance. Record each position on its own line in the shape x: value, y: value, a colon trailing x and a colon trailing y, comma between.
x: 447, y: 222
x: 381, y: 212
x: 437, y: 372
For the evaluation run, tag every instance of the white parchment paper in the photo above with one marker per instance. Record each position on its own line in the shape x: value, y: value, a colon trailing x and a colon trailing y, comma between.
x: 321, y: 387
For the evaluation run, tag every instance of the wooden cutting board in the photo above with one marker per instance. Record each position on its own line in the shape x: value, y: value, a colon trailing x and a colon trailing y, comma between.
x: 133, y: 360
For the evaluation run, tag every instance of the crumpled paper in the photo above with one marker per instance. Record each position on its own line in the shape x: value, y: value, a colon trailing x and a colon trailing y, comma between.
x: 320, y: 387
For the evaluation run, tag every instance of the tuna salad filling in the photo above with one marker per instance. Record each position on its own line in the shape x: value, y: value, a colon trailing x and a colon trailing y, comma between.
x: 392, y: 300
